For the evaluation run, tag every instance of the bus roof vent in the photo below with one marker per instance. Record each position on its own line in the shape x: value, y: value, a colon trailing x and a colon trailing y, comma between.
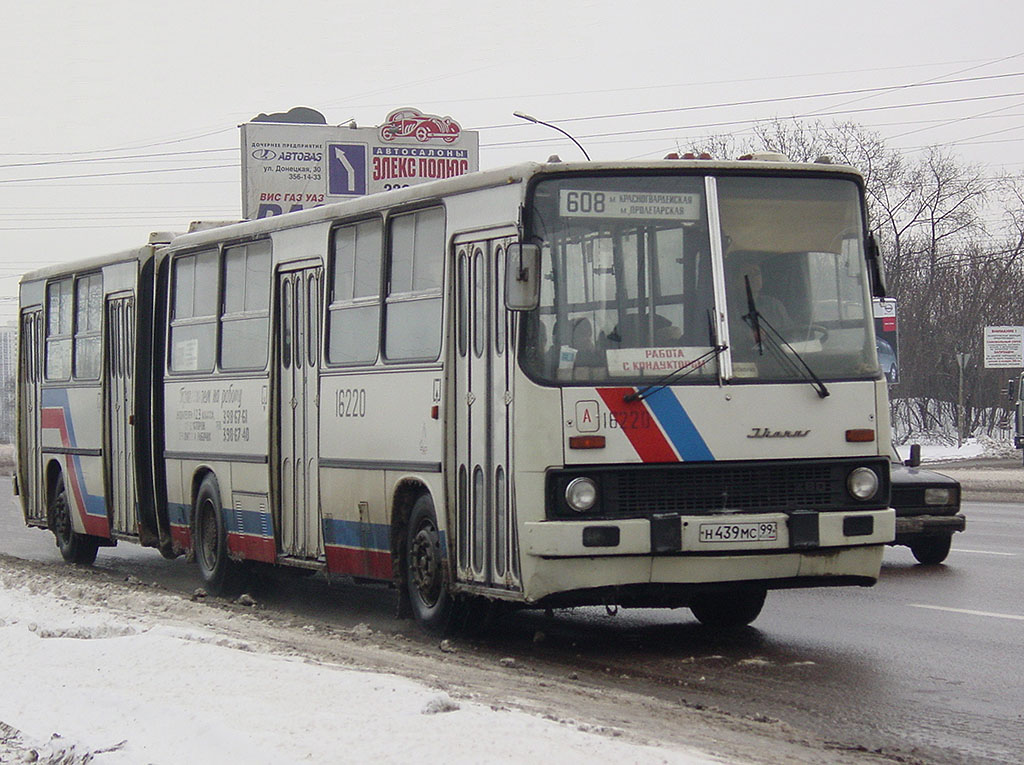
x: 162, y: 237
x: 206, y: 225
x: 765, y: 156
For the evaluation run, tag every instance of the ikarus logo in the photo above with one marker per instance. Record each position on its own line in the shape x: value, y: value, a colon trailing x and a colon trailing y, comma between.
x: 769, y: 433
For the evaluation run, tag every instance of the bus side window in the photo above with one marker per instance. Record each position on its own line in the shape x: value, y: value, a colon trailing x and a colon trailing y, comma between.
x: 245, y: 320
x: 58, y: 330
x: 88, y: 313
x: 194, y: 323
x: 416, y: 254
x: 353, y: 317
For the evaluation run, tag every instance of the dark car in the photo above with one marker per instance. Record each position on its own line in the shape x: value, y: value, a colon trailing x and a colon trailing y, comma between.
x: 887, y: 360
x: 927, y: 508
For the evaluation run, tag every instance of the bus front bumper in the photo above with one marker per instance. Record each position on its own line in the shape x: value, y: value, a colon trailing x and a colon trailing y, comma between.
x: 674, y: 534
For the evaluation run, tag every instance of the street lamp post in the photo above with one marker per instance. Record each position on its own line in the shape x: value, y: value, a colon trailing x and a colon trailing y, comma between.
x: 530, y: 118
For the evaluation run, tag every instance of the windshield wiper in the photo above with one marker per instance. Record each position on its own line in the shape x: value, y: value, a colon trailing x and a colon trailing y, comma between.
x: 758, y: 323
x: 753, y: 318
x: 688, y: 367
x: 682, y: 371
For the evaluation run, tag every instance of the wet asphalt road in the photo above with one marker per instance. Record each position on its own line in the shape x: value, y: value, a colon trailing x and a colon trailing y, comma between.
x: 925, y: 666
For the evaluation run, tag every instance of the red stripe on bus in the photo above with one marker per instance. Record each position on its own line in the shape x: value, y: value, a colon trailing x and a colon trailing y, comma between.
x: 637, y: 421
x: 252, y: 547
x: 374, y: 564
x: 182, y: 535
x: 54, y: 418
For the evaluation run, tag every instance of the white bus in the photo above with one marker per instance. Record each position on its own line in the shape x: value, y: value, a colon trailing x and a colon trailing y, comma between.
x: 635, y: 383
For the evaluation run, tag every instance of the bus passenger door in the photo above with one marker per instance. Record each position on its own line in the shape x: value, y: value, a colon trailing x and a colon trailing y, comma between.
x: 119, y: 440
x: 485, y: 526
x: 29, y: 458
x: 300, y: 299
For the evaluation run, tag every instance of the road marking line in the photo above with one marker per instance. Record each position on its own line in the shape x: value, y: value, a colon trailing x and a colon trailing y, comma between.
x: 1015, y: 617
x: 985, y: 552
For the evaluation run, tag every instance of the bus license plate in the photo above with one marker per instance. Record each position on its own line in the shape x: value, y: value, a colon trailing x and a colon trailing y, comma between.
x: 764, y: 531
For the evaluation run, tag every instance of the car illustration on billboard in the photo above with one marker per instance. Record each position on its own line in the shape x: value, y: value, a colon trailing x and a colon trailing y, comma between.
x: 412, y: 123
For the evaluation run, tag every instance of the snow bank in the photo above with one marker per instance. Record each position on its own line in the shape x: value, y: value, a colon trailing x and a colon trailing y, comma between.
x: 84, y: 681
x: 935, y: 449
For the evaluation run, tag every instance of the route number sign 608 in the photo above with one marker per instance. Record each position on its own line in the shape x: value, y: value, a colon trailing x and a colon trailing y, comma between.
x: 583, y: 202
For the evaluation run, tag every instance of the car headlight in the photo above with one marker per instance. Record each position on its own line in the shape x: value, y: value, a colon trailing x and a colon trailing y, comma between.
x: 938, y: 496
x: 581, y: 494
x: 862, y: 483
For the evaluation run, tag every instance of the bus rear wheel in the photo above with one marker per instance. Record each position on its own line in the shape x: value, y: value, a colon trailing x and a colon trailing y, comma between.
x: 728, y: 610
x: 74, y: 547
x: 424, y: 570
x: 220, y: 574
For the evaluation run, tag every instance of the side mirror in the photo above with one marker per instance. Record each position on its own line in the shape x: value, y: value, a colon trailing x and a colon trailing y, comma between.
x: 876, y: 268
x: 522, y: 277
x: 915, y: 456
x: 1011, y: 389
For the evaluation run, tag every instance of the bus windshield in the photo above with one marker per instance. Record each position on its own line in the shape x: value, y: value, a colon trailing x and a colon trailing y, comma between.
x: 631, y: 268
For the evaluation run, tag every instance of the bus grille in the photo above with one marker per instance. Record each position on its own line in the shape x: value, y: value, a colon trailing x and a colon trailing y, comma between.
x: 711, y: 488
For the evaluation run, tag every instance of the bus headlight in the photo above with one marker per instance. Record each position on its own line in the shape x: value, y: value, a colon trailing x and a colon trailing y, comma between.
x: 862, y: 483
x: 581, y: 494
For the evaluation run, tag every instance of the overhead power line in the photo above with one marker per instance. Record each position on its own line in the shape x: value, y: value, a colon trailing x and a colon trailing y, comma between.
x: 518, y: 97
x: 122, y: 173
x: 132, y: 147
x: 762, y: 101
x: 119, y: 158
x: 726, y: 123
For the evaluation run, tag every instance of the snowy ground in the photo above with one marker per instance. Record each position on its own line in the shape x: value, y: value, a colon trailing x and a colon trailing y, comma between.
x: 113, y: 673
x: 935, y: 450
x: 105, y: 674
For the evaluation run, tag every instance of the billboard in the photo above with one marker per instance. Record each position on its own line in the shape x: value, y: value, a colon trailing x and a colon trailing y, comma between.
x: 1004, y: 347
x: 288, y: 166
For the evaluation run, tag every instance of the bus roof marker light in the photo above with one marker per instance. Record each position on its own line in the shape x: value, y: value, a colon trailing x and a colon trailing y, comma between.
x: 531, y: 118
x: 765, y: 156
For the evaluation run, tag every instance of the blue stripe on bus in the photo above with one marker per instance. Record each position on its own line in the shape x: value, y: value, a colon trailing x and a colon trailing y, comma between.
x: 179, y: 514
x: 57, y: 398
x: 364, y: 536
x: 678, y: 426
x: 249, y: 522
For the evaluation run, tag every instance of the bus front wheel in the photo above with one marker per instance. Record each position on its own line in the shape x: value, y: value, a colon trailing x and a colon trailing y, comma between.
x: 74, y: 547
x: 220, y: 574
x: 424, y: 570
x: 728, y: 610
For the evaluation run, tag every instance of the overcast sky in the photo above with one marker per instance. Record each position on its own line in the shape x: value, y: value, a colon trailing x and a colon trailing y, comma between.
x: 120, y: 118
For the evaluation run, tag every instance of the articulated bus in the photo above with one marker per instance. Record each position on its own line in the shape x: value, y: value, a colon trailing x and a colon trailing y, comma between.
x: 642, y: 384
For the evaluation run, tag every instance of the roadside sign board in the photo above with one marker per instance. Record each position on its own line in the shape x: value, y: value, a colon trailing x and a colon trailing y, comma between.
x: 1004, y: 347
x: 887, y: 337
x: 290, y: 166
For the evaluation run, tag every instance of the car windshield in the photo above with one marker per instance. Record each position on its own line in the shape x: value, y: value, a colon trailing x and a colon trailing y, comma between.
x: 629, y: 275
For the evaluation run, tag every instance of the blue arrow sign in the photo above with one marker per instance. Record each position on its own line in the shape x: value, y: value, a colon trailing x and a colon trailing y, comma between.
x: 346, y: 169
